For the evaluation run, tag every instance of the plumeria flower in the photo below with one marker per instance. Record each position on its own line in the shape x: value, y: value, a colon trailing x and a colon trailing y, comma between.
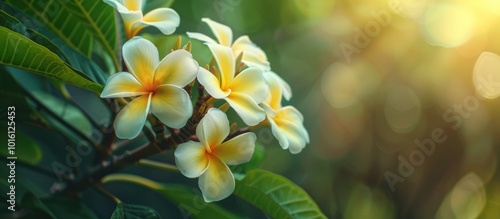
x: 156, y: 85
x: 165, y: 19
x: 253, y: 56
x: 243, y: 92
x: 286, y: 122
x: 208, y: 159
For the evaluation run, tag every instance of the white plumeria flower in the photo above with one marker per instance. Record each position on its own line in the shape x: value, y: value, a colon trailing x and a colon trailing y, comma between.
x: 243, y: 92
x: 208, y: 158
x: 253, y: 56
x: 157, y: 86
x: 286, y: 122
x: 165, y: 19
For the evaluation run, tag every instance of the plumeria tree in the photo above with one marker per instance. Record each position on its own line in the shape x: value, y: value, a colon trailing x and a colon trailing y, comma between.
x: 95, y: 94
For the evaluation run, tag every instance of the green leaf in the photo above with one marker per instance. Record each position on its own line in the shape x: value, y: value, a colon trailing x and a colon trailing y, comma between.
x: 79, y: 63
x: 66, y: 111
x: 128, y: 211
x: 79, y: 23
x: 12, y: 95
x: 26, y: 150
x: 21, y: 52
x: 13, y: 24
x: 56, y: 207
x: 276, y: 196
x: 182, y: 195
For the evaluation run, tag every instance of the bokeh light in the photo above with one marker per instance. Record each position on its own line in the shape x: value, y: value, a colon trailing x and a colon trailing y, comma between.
x: 486, y: 75
x: 448, y: 24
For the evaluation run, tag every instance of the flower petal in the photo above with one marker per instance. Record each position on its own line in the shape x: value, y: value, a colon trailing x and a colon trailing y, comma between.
x: 246, y: 108
x: 201, y: 37
x: 292, y: 112
x: 217, y: 182
x: 131, y: 119
x: 225, y: 60
x: 165, y: 19
x: 118, y: 6
x: 295, y: 137
x: 251, y: 81
x: 133, y: 5
x: 177, y: 68
x: 172, y: 105
x: 191, y: 158
x: 223, y: 33
x: 213, y: 128
x: 253, y: 56
x: 129, y: 16
x: 211, y: 84
x: 278, y: 134
x: 275, y: 91
x: 285, y: 87
x: 122, y: 84
x: 252, y: 60
x: 238, y: 150
x: 289, y: 122
x: 141, y: 57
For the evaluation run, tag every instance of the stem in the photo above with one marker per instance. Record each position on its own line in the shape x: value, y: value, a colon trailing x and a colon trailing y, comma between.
x: 107, y: 194
x: 105, y: 148
x: 119, y: 162
x: 238, y: 132
x: 158, y: 165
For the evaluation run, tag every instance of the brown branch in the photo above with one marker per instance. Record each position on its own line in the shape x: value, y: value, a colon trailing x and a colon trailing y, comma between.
x: 118, y: 162
x: 237, y: 132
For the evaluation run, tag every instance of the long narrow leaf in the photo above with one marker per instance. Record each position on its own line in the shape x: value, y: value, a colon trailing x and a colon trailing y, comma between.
x: 77, y: 22
x: 20, y: 52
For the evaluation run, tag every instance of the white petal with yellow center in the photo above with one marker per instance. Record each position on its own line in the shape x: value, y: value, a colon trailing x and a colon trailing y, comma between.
x: 191, y: 159
x: 165, y: 19
x: 141, y: 57
x: 211, y: 84
x: 122, y: 84
x: 217, y: 182
x: 225, y: 61
x: 253, y: 56
x: 133, y: 5
x: 128, y: 15
x: 237, y: 150
x: 177, y: 68
x: 287, y: 127
x: 172, y: 105
x: 251, y: 82
x: 223, y: 33
x: 201, y: 37
x: 213, y: 128
x: 285, y: 88
x: 130, y: 121
x: 246, y: 108
x: 279, y: 135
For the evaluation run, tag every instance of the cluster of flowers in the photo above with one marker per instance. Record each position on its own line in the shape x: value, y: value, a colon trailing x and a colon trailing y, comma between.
x: 158, y: 87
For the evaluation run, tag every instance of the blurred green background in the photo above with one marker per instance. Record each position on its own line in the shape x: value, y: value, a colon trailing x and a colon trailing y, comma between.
x: 372, y: 78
